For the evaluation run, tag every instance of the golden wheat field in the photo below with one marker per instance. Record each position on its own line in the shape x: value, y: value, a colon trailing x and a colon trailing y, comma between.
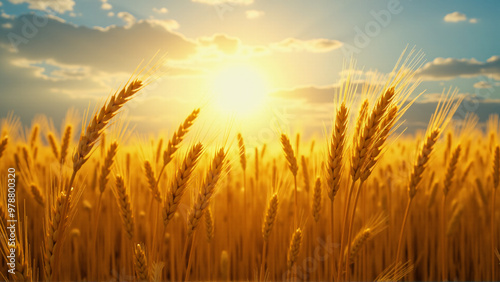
x: 364, y: 203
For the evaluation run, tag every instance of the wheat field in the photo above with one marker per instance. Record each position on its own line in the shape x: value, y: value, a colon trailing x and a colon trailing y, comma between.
x: 363, y: 203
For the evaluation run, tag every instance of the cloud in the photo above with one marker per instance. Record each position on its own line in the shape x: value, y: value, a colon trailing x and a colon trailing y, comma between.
x: 113, y: 49
x: 313, y: 45
x: 111, y: 14
x: 220, y: 2
x: 59, y: 6
x: 106, y: 6
x: 162, y: 10
x: 1, y: 4
x: 222, y: 42
x: 128, y: 18
x: 482, y: 85
x: 254, y: 14
x: 456, y: 17
x: 449, y: 68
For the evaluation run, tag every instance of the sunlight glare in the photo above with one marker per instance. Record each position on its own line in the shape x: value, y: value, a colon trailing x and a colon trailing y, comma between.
x: 240, y: 89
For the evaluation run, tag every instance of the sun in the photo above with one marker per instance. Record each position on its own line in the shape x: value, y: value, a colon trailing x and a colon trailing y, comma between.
x: 241, y: 89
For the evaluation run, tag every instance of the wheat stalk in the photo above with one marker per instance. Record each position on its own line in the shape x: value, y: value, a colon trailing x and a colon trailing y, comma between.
x: 289, y: 155
x: 106, y: 168
x: 207, y: 190
x: 140, y: 263
x: 53, y: 145
x: 37, y: 194
x: 179, y: 184
x: 101, y: 120
x: 209, y: 224
x: 65, y: 142
x: 241, y: 147
x: 336, y: 151
x: 54, y: 230
x: 3, y: 145
x: 294, y: 249
x: 272, y: 211
x: 368, y: 134
x: 173, y: 144
x: 421, y: 163
x: 305, y: 173
x: 316, y: 208
x: 150, y: 176
x: 450, y: 172
x: 123, y: 201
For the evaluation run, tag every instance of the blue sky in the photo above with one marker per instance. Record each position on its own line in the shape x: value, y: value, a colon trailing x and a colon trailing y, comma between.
x: 83, y: 51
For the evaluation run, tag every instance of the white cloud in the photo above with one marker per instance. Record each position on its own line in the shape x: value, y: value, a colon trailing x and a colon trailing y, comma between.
x: 111, y: 14
x: 59, y: 6
x: 128, y: 18
x: 7, y: 25
x: 313, y: 45
x: 482, y: 84
x: 106, y: 6
x: 449, y: 68
x: 162, y: 10
x: 254, y: 14
x: 1, y: 4
x: 220, y: 2
x: 456, y: 17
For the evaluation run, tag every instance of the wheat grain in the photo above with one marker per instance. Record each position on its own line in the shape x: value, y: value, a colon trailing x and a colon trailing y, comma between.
x: 53, y: 233
x: 368, y: 132
x: 37, y: 194
x: 3, y: 145
x: 101, y: 120
x: 140, y: 263
x: 123, y: 201
x: 336, y: 151
x: 450, y: 172
x: 106, y: 168
x: 272, y: 211
x: 209, y: 225
x: 316, y: 208
x: 179, y: 184
x: 178, y: 136
x: 207, y: 190
x: 294, y: 250
x: 241, y: 147
x: 421, y: 163
x: 65, y: 142
x: 150, y: 176
x: 53, y: 145
x: 305, y: 173
x: 289, y: 155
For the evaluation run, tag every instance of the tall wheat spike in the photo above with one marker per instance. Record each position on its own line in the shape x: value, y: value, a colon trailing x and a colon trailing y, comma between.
x: 336, y: 151
x: 152, y: 183
x: 179, y: 184
x: 65, y: 142
x: 316, y: 207
x: 207, y: 190
x: 106, y: 168
x: 101, y: 120
x: 3, y: 145
x: 56, y: 222
x: 140, y: 263
x: 123, y: 201
x: 294, y: 250
x: 272, y: 211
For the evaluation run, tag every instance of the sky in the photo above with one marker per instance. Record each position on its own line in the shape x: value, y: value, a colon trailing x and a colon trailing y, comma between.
x: 262, y: 64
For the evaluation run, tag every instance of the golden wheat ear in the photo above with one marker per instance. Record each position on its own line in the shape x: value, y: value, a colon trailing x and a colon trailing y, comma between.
x: 207, y: 190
